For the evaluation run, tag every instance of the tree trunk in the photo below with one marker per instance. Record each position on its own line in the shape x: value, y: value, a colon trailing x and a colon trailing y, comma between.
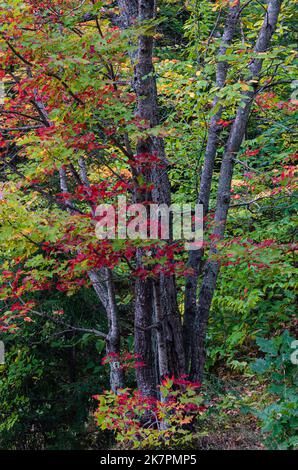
x: 195, y: 257
x: 224, y: 192
x: 113, y: 337
x: 147, y: 109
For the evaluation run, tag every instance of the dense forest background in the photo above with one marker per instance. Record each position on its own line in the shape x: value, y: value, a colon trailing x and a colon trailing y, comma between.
x: 179, y: 101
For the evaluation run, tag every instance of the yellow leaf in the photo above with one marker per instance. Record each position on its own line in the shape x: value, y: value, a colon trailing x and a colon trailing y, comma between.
x: 244, y: 86
x: 186, y: 420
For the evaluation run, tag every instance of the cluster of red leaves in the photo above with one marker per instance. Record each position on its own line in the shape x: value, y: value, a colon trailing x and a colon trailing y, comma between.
x: 164, y: 261
x: 286, y: 176
x: 252, y: 153
x: 101, y: 191
x: 223, y: 123
x: 124, y: 361
x: 146, y: 161
x: 16, y: 283
x: 17, y: 311
x: 269, y: 100
x: 252, y: 251
x: 134, y: 417
x: 96, y: 193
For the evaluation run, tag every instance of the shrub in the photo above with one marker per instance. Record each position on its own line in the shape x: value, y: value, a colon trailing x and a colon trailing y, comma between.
x: 280, y: 417
x: 153, y: 423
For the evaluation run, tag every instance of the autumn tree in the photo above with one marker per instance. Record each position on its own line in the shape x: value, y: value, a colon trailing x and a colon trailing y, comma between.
x: 82, y: 125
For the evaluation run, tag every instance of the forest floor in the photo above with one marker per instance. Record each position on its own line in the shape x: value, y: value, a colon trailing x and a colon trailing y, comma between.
x: 239, y: 433
x: 230, y: 422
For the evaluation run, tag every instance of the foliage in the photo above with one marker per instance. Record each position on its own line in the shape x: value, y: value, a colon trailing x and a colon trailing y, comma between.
x: 141, y: 422
x: 70, y: 135
x: 280, y: 417
x: 48, y: 378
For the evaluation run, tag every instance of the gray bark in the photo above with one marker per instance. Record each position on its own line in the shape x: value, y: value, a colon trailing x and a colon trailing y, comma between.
x: 224, y: 191
x: 170, y: 338
x: 83, y: 171
x: 129, y: 12
x: 113, y: 337
x: 195, y: 257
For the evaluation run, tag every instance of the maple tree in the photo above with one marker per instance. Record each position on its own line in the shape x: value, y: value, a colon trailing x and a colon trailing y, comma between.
x: 100, y: 104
